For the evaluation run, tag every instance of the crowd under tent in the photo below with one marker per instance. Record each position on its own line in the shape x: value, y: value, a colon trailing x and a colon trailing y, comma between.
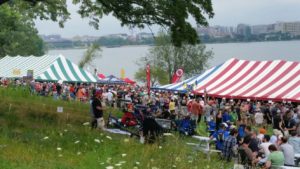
x: 111, y: 80
x: 276, y: 80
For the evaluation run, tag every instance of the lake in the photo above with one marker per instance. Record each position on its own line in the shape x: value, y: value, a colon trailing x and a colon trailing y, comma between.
x: 115, y: 59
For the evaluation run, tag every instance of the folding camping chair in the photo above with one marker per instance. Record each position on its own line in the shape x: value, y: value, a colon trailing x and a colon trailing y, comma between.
x: 165, y: 124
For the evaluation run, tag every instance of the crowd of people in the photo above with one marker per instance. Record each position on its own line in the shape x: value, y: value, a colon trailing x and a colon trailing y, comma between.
x: 260, y: 133
x: 238, y: 127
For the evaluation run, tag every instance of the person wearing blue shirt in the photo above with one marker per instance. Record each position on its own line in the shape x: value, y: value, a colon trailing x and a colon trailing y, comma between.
x: 220, y: 136
x: 211, y: 127
x: 225, y: 116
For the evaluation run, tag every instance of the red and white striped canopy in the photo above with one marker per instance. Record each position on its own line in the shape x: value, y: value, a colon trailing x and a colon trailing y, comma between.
x: 276, y: 80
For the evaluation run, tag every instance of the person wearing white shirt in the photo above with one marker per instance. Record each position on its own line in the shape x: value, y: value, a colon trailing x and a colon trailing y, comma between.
x: 295, y: 142
x: 109, y: 96
x: 259, y: 117
x: 288, y: 152
x: 128, y: 97
x: 264, y: 148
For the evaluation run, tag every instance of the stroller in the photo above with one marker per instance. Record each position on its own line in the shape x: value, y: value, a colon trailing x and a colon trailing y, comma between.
x: 115, y: 122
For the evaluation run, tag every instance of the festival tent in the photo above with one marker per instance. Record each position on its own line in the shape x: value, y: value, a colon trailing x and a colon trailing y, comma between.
x: 189, y: 84
x: 111, y: 80
x: 63, y: 69
x: 276, y: 80
x: 17, y: 66
x: 129, y: 81
x: 101, y: 76
x: 45, y: 68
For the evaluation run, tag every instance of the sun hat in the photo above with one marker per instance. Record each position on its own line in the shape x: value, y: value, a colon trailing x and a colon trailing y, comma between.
x: 277, y: 132
x: 225, y: 125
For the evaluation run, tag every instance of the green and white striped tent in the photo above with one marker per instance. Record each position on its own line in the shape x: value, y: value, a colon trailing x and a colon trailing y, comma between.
x: 45, y: 68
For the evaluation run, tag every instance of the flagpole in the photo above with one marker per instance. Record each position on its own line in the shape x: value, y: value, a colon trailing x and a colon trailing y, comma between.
x: 148, y: 76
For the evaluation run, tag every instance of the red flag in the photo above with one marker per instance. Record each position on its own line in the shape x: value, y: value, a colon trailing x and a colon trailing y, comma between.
x: 148, y: 75
x: 177, y: 75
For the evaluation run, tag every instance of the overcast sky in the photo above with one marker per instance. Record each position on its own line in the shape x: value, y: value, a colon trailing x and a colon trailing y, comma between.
x: 227, y: 13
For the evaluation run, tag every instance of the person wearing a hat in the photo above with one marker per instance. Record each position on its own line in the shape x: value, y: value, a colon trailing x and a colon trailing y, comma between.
x: 274, y: 137
x: 98, y: 110
x: 220, y: 136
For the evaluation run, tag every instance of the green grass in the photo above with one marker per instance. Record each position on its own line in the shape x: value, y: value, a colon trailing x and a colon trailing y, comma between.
x: 31, y: 132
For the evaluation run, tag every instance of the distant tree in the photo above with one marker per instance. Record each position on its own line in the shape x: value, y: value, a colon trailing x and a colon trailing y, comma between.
x: 172, y: 14
x: 158, y: 75
x: 191, y: 58
x: 18, y: 35
x: 90, y: 54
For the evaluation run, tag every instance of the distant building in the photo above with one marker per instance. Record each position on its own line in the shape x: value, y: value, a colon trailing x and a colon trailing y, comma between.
x: 119, y: 35
x: 132, y: 38
x: 144, y: 35
x: 288, y: 27
x: 53, y: 38
x: 259, y: 29
x: 215, y: 31
x: 262, y: 29
x: 85, y: 38
x: 243, y: 29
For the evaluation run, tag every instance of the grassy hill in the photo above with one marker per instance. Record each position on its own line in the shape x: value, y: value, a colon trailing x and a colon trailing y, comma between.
x: 34, y: 136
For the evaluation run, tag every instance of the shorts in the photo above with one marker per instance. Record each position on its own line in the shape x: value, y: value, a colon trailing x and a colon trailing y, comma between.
x: 100, y: 123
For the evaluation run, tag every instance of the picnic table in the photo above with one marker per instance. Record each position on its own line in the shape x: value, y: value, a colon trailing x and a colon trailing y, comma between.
x: 203, y: 140
x: 286, y: 167
x: 204, y: 145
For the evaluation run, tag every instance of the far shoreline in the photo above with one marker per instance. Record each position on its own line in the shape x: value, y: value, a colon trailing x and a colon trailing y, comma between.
x: 150, y: 45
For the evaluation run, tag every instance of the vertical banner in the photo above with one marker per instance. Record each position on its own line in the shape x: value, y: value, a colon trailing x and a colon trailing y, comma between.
x: 205, y: 95
x: 177, y: 75
x: 122, y: 73
x: 148, y: 76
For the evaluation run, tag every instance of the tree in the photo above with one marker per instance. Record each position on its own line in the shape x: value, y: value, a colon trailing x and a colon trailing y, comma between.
x: 18, y: 35
x: 172, y: 14
x: 90, y: 55
x: 158, y: 75
x: 191, y: 58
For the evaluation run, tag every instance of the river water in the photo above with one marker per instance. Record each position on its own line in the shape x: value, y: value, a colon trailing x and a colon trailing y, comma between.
x: 112, y: 60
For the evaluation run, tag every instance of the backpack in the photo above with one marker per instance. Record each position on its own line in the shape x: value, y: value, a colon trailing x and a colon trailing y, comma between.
x: 220, y: 136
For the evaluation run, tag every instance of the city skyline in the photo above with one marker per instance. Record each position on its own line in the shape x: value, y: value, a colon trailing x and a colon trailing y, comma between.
x: 253, y: 12
x: 283, y: 27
